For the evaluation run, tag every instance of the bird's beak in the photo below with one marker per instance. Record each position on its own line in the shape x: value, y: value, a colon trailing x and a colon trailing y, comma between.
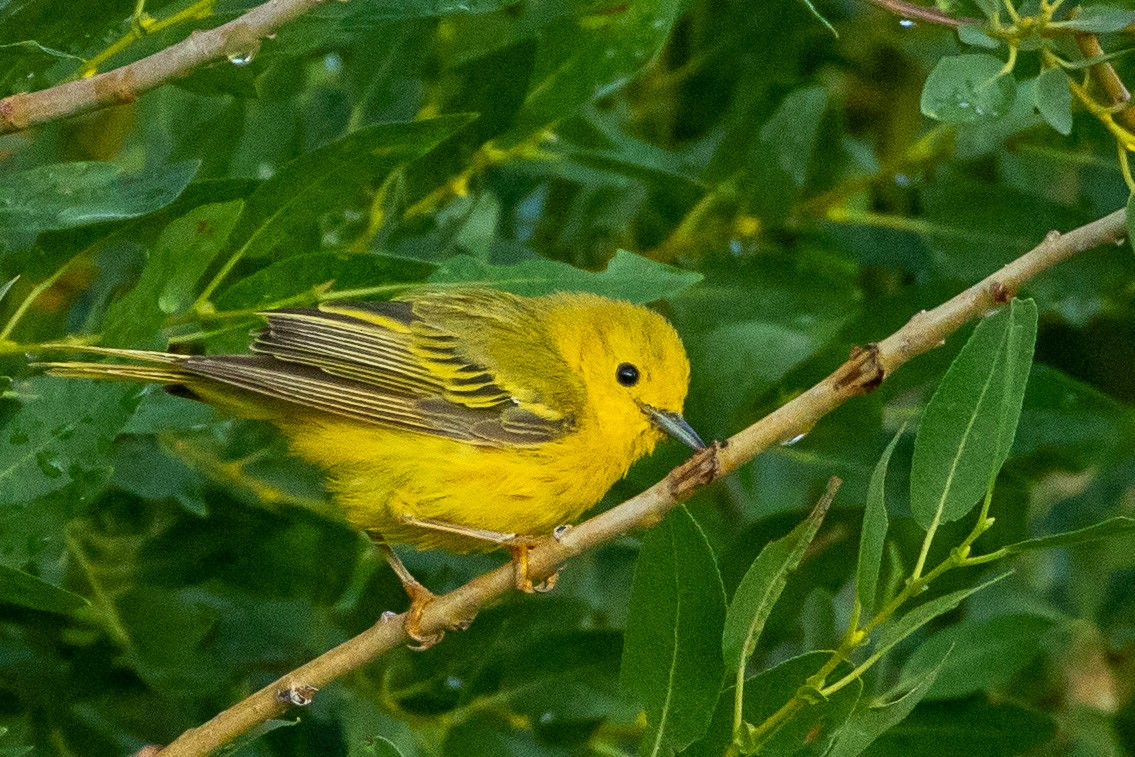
x: 674, y: 425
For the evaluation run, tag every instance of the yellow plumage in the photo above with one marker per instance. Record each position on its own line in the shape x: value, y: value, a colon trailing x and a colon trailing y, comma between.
x: 450, y: 413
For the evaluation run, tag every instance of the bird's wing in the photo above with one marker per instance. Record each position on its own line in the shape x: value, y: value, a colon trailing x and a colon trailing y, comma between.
x: 395, y: 365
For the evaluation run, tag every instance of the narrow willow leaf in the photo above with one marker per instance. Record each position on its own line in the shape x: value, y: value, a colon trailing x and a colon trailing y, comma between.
x: 379, y: 275
x: 380, y: 747
x: 168, y: 282
x: 66, y: 195
x: 1019, y: 345
x: 989, y: 7
x: 792, y: 131
x: 627, y: 277
x: 970, y: 422
x: 671, y: 659
x: 1119, y: 526
x: 820, y: 17
x: 893, y: 633
x: 26, y: 590
x: 1131, y: 220
x: 330, y: 177
x: 986, y: 653
x: 761, y: 588
x: 240, y: 742
x: 600, y: 52
x: 187, y: 246
x: 1053, y: 99
x: 5, y: 287
x: 975, y: 34
x: 62, y: 429
x: 1100, y: 19
x: 874, y: 534
x: 869, y: 723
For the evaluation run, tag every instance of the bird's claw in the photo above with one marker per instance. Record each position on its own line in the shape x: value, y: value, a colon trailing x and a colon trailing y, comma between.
x: 519, y: 547
x: 420, y: 597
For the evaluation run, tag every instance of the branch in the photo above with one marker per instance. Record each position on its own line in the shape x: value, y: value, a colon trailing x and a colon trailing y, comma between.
x: 863, y: 372
x: 125, y: 84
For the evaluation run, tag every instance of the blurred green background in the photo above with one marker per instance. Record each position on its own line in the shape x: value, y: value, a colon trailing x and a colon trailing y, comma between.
x: 775, y: 190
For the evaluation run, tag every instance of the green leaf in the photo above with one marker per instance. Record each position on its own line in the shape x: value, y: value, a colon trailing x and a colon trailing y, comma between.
x: 1019, y: 346
x: 1072, y: 424
x: 1053, y: 99
x: 819, y: 17
x: 168, y: 283
x: 895, y: 631
x: 869, y: 723
x: 66, y: 195
x: 761, y: 587
x: 33, y: 45
x: 323, y: 271
x: 1100, y: 19
x: 671, y: 658
x: 1131, y: 220
x: 811, y: 730
x: 6, y: 286
x: 64, y: 428
x: 186, y: 248
x: 252, y: 734
x: 1120, y: 525
x: 627, y: 276
x: 975, y: 34
x: 793, y: 128
x: 967, y: 89
x: 587, y: 57
x: 967, y: 728
x: 986, y: 653
x: 874, y: 533
x: 27, y: 590
x: 990, y: 8
x: 13, y: 751
x: 380, y: 747
x: 329, y: 178
x: 968, y: 426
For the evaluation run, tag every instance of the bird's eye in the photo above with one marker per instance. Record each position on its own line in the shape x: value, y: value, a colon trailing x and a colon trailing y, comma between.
x: 626, y: 374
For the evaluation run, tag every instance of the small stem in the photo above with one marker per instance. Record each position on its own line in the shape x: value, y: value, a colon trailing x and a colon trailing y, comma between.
x: 1011, y: 63
x: 36, y: 291
x: 982, y: 559
x: 200, y: 305
x: 925, y: 551
x: 109, y: 611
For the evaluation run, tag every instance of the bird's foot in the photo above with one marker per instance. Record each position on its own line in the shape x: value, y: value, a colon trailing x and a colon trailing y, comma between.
x: 519, y: 547
x: 420, y: 597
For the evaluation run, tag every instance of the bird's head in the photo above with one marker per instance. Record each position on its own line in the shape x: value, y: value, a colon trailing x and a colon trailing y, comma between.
x: 633, y: 366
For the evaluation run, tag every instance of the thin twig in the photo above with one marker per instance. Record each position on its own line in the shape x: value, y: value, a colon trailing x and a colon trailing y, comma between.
x: 1106, y: 75
x: 863, y: 372
x: 922, y: 13
x: 237, y: 38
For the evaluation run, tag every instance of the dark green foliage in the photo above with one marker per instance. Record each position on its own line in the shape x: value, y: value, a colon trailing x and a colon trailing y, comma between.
x: 780, y: 193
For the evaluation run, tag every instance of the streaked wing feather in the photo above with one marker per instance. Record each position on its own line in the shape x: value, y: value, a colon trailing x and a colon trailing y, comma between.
x: 378, y: 363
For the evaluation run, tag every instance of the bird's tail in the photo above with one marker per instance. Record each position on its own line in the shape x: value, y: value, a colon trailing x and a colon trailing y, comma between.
x: 156, y: 367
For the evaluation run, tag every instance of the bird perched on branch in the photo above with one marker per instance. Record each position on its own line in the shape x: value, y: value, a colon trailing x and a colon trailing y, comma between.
x: 462, y: 420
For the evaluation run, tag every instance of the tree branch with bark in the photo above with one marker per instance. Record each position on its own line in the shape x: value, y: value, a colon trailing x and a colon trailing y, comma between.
x: 237, y: 38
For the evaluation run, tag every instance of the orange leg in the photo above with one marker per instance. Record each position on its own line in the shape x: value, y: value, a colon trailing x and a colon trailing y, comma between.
x: 518, y: 545
x: 420, y: 596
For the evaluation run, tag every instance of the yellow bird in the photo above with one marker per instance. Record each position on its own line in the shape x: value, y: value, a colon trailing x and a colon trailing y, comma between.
x: 462, y: 420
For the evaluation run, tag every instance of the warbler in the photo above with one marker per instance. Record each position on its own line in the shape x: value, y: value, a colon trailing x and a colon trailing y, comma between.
x: 463, y: 420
